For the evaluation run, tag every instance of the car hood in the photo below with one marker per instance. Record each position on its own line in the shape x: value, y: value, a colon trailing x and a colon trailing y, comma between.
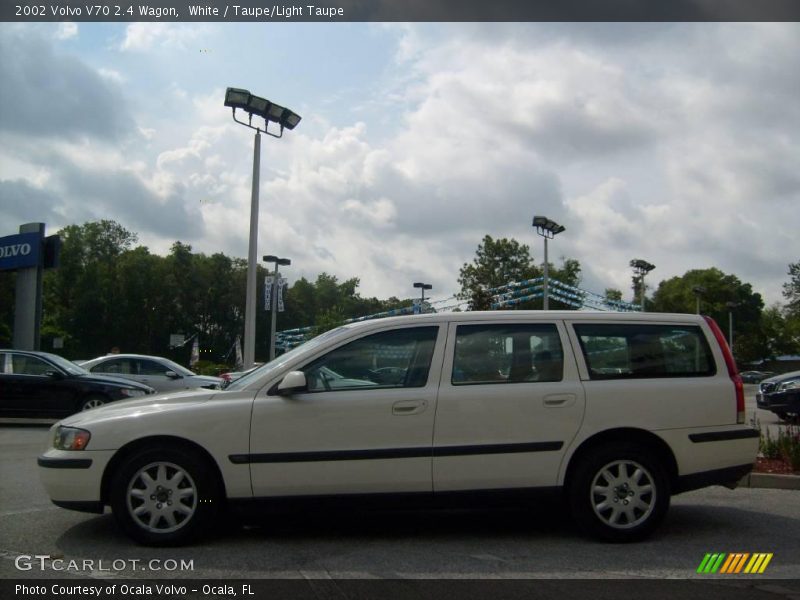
x: 115, y: 381
x: 141, y: 406
x: 783, y: 377
x: 206, y: 379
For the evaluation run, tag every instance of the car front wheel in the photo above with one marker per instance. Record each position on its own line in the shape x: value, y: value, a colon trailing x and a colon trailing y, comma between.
x: 619, y: 493
x: 164, y: 496
x: 92, y: 402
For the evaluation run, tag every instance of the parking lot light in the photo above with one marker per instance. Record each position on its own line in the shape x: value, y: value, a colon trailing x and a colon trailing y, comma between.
x: 256, y: 106
x: 548, y: 229
x: 283, y: 262
x: 640, y: 269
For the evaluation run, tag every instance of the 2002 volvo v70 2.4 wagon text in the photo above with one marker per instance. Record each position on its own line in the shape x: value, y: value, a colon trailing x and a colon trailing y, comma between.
x: 618, y: 411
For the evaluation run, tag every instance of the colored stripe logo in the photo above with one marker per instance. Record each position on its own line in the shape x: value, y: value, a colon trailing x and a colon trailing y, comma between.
x: 734, y: 563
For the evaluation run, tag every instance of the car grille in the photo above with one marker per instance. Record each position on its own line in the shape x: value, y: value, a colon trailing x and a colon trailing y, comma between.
x: 767, y: 388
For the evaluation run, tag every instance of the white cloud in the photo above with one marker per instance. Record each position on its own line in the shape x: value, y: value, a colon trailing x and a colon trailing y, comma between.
x: 66, y: 31
x: 111, y: 75
x: 145, y: 36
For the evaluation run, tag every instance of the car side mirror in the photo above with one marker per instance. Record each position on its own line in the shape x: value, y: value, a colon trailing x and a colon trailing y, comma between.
x: 172, y: 375
x: 53, y: 374
x: 295, y: 381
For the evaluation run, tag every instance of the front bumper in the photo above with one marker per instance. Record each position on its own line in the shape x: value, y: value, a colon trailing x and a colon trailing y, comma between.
x: 783, y: 402
x: 73, y: 477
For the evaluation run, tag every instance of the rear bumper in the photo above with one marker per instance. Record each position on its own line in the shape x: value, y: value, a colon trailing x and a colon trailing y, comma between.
x: 728, y: 477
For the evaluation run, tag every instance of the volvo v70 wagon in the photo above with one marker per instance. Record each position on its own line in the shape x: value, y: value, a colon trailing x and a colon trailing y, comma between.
x: 617, y: 412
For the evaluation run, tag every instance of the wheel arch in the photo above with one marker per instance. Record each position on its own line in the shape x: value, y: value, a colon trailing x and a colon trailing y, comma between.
x: 631, y: 435
x: 151, y: 441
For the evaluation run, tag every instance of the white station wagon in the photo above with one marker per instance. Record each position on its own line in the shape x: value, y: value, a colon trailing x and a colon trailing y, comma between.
x: 617, y: 411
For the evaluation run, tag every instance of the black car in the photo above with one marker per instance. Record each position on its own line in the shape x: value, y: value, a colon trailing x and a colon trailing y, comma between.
x: 755, y: 376
x: 781, y: 395
x: 38, y: 384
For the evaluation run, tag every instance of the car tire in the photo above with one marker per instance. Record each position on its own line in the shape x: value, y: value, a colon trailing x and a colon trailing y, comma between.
x: 165, y: 496
x: 90, y: 402
x: 619, y: 492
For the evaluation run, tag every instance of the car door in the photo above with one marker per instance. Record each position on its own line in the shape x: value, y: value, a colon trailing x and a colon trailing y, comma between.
x: 364, y: 425
x: 509, y: 404
x: 35, y: 388
x: 154, y: 374
x: 118, y: 367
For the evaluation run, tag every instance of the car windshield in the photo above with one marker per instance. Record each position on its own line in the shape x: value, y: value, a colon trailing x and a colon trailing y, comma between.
x: 281, y: 360
x: 177, y: 368
x: 67, y: 365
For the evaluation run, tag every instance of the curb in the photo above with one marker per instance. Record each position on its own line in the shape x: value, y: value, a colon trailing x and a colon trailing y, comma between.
x: 770, y: 481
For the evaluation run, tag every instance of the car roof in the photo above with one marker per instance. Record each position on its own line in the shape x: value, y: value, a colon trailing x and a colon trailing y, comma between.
x: 33, y: 353
x: 147, y: 356
x: 500, y: 315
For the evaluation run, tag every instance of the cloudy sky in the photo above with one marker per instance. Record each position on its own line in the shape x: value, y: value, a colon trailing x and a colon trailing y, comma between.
x: 678, y: 144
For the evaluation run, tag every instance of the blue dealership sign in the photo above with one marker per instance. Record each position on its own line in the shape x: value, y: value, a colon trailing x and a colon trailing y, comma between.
x: 20, y: 251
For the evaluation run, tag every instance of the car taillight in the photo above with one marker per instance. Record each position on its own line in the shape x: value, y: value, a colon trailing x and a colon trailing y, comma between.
x: 731, y: 364
x: 226, y: 377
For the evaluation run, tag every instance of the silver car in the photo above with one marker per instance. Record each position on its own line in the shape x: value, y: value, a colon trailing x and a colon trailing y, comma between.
x: 160, y: 373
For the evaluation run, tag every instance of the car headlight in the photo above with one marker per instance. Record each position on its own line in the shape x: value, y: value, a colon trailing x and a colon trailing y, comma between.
x: 133, y: 392
x: 788, y: 385
x: 70, y: 438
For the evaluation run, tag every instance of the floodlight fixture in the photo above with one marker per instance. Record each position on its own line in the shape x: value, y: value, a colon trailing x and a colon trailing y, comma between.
x: 283, y: 262
x: 260, y: 107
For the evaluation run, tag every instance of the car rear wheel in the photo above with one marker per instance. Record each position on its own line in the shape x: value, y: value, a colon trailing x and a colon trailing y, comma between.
x: 164, y: 496
x: 92, y: 402
x: 619, y: 493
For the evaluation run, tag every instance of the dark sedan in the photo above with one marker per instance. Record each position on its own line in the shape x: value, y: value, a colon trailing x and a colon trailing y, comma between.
x: 781, y: 395
x: 38, y: 384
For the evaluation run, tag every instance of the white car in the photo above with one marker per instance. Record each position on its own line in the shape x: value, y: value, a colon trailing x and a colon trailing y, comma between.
x: 159, y: 373
x: 617, y: 412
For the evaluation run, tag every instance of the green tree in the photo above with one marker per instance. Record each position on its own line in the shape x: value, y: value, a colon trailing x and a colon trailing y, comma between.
x: 791, y: 290
x: 723, y: 294
x: 81, y: 298
x: 500, y: 261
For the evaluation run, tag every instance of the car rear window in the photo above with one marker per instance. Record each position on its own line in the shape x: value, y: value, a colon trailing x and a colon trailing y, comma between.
x: 622, y: 351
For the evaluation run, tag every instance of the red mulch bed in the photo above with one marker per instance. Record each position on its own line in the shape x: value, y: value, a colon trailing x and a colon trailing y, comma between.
x: 773, y: 465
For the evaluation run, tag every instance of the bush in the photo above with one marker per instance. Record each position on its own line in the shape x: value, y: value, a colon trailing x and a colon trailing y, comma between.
x: 788, y: 444
x: 207, y: 367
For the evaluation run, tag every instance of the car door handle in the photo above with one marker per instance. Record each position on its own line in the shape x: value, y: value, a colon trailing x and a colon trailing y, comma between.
x: 409, y: 407
x: 559, y: 400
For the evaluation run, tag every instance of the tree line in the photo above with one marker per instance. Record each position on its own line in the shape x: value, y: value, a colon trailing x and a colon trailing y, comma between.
x: 108, y: 291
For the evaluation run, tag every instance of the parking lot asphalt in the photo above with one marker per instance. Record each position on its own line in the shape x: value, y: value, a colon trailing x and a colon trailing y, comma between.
x: 533, y: 543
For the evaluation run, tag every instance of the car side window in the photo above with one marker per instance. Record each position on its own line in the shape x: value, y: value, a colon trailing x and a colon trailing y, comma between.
x: 151, y: 367
x: 115, y: 366
x: 507, y: 353
x: 29, y: 365
x: 390, y: 359
x: 620, y: 351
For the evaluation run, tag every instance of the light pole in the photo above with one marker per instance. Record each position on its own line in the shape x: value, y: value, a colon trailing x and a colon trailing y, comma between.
x: 640, y: 269
x: 698, y: 290
x: 284, y: 262
x: 423, y: 287
x: 548, y: 230
x: 286, y: 119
